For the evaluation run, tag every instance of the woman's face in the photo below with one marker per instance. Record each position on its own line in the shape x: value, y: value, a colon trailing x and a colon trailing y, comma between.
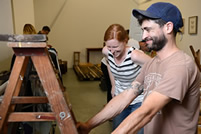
x: 115, y: 47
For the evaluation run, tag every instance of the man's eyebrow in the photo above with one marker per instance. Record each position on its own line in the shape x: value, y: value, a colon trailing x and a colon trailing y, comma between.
x: 145, y: 28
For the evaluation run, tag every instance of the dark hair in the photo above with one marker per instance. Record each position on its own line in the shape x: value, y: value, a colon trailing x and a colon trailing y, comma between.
x: 46, y: 28
x: 128, y: 31
x: 160, y: 22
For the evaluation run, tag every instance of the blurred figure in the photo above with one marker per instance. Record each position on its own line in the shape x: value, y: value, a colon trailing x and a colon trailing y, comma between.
x: 52, y: 51
x: 145, y: 49
x: 45, y: 30
x: 132, y: 42
x: 29, y: 29
x: 143, y: 46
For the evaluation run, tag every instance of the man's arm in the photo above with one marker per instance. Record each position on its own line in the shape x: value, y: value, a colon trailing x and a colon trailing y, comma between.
x: 113, y: 108
x: 140, y: 117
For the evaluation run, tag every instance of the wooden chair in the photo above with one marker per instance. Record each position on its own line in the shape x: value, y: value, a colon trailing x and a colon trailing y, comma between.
x: 196, y: 56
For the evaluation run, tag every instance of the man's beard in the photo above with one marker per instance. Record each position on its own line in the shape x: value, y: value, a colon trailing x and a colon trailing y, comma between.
x: 158, y: 42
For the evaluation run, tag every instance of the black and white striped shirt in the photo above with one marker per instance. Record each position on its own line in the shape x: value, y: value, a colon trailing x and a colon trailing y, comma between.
x: 124, y: 73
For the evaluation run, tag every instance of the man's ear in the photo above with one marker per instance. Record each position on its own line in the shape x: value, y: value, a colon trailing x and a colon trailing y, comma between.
x: 169, y: 26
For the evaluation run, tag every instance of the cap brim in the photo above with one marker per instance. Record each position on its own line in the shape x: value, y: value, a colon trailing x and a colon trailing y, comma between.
x: 137, y: 12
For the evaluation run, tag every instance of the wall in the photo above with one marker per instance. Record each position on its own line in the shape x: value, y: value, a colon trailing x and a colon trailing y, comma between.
x: 79, y: 24
x: 187, y: 8
x: 14, y: 14
x: 6, y: 27
x: 23, y: 12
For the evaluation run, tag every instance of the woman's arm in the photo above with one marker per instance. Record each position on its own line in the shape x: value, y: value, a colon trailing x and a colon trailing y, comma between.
x: 139, y: 57
x: 112, y: 80
x: 105, y: 51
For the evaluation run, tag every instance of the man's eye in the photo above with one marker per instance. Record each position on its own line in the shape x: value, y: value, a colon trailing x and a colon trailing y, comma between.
x: 148, y: 29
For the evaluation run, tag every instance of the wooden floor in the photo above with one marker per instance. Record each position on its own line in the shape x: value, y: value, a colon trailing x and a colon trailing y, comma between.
x: 87, y: 99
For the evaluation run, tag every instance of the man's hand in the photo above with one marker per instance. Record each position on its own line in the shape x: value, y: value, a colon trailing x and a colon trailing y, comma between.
x: 82, y: 128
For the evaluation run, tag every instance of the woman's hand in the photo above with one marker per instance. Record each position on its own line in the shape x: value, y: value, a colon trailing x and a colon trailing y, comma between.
x: 113, y: 91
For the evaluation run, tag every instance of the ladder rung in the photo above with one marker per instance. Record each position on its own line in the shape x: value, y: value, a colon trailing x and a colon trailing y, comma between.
x: 31, y: 116
x: 27, y: 100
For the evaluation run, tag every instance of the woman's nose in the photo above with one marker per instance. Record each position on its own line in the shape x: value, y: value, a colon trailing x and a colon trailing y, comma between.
x: 112, y: 50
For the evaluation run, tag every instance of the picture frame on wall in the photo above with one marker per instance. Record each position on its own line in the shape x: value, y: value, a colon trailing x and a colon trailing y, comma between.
x: 192, y: 27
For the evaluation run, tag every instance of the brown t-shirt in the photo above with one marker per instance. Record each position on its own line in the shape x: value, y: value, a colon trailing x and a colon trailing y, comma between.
x: 178, y: 78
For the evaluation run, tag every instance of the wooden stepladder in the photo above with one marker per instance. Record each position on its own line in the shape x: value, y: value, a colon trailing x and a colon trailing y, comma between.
x: 37, y: 52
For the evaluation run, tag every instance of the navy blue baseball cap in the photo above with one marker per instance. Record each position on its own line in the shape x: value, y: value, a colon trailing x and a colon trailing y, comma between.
x: 164, y: 11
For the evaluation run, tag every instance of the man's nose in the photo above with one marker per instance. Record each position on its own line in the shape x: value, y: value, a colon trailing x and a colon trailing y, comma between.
x: 144, y: 35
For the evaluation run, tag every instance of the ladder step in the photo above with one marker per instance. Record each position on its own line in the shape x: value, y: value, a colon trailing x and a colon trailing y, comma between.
x: 27, y: 100
x: 31, y: 116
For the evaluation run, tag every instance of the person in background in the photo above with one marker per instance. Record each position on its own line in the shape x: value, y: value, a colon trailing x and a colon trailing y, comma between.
x: 145, y: 49
x: 171, y: 81
x: 132, y: 42
x: 143, y: 46
x: 45, y: 30
x: 52, y: 51
x: 29, y: 29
